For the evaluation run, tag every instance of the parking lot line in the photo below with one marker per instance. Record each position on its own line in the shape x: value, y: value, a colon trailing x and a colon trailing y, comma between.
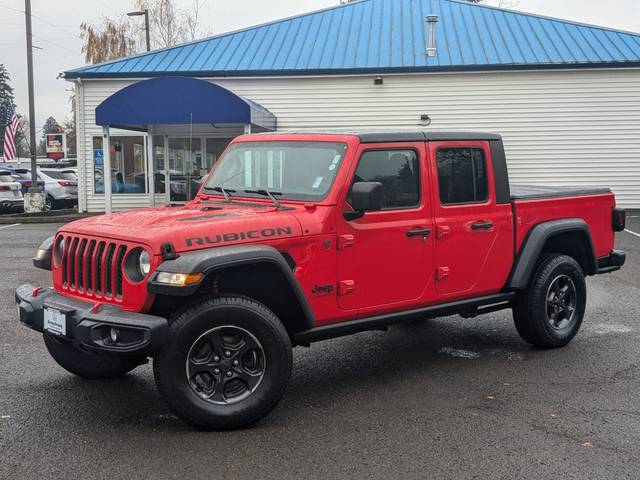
x: 16, y: 224
x: 632, y: 233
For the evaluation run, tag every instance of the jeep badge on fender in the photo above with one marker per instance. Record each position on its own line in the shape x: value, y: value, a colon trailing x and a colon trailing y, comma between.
x: 326, y: 235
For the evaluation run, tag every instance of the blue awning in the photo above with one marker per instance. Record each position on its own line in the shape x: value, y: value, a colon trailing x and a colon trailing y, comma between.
x: 177, y: 101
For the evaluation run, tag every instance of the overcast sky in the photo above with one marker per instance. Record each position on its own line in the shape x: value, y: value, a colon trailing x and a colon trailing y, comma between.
x: 56, y: 27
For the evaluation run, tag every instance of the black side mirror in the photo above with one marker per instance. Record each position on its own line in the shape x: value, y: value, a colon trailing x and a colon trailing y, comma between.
x: 365, y: 197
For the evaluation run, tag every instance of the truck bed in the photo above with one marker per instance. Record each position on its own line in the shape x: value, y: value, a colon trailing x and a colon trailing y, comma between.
x: 537, y: 192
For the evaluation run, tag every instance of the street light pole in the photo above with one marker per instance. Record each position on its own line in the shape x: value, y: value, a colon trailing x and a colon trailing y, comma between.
x: 34, y: 201
x: 144, y: 12
x: 146, y: 27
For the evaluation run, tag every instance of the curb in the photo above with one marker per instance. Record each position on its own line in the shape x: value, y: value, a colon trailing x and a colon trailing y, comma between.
x: 58, y: 217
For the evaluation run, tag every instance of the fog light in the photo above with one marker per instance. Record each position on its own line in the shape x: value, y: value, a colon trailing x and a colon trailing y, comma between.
x: 114, y: 335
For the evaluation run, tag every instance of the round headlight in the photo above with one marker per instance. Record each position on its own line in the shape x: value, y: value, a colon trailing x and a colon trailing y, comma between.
x: 144, y: 263
x: 59, y: 250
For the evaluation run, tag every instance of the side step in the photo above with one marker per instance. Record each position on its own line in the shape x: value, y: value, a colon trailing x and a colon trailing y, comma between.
x: 469, y: 308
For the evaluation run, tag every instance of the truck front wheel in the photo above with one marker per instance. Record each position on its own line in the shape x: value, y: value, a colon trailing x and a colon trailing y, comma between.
x: 226, y: 364
x: 89, y: 364
x: 549, y: 313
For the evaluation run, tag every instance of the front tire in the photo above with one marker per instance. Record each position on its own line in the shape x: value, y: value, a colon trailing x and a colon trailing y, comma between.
x: 87, y: 364
x: 226, y: 364
x: 550, y: 312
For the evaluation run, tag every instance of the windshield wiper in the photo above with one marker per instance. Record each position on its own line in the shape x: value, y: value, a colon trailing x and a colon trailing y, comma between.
x: 267, y: 193
x: 224, y: 191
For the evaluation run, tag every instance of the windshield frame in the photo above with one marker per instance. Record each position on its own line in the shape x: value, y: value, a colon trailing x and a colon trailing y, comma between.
x: 282, y: 196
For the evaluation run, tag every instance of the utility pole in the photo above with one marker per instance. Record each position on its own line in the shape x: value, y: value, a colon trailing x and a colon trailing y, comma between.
x: 34, y: 199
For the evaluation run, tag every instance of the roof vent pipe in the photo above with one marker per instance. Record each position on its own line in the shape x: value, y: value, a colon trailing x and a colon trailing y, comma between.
x: 432, y: 49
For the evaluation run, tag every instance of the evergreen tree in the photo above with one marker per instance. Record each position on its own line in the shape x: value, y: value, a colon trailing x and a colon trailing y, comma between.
x: 51, y: 125
x: 7, y: 103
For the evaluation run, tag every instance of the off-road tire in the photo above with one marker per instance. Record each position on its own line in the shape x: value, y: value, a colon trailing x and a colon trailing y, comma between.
x: 216, y: 314
x: 530, y: 311
x: 89, y: 364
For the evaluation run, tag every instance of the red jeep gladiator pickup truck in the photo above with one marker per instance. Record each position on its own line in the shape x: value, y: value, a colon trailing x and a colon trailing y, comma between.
x: 296, y: 238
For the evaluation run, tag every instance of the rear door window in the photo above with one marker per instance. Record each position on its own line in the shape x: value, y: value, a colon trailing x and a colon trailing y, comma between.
x: 462, y: 175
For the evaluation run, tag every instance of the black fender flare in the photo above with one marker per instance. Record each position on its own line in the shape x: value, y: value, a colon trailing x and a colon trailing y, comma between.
x: 534, y: 243
x: 210, y: 260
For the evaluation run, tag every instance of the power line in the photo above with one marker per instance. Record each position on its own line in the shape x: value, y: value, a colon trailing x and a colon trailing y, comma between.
x: 33, y: 15
x: 56, y: 44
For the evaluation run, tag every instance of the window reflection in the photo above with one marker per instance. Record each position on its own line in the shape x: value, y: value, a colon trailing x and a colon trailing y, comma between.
x: 128, y: 172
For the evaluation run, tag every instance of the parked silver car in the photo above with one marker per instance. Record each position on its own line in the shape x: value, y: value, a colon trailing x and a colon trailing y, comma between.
x: 11, y: 200
x: 60, y: 185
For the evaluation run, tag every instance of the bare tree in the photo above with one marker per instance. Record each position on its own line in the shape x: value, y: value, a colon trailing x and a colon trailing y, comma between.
x: 192, y: 22
x: 171, y: 25
x: 120, y: 37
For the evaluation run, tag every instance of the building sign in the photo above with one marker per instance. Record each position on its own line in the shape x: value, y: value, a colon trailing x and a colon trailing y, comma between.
x: 56, y: 145
x: 98, y: 157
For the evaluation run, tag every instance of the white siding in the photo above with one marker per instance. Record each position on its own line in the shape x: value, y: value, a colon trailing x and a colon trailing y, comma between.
x: 559, y: 127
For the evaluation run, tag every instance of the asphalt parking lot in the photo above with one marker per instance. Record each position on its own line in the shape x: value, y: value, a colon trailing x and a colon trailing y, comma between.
x: 442, y: 399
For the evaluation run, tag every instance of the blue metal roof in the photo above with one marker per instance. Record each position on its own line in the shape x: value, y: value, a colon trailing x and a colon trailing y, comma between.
x: 183, y: 101
x: 385, y: 36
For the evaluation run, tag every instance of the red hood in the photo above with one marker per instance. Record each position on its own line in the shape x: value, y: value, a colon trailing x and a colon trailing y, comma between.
x: 193, y: 226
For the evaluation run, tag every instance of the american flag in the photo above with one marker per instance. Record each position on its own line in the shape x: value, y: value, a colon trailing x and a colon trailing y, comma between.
x: 10, y: 135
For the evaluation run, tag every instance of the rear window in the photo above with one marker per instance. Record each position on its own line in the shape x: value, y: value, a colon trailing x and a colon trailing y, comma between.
x: 55, y: 174
x: 6, y: 178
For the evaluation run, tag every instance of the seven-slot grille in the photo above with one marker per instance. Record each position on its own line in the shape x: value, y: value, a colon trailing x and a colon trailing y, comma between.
x: 93, y: 267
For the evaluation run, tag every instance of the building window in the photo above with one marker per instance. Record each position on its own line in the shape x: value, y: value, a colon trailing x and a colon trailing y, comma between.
x: 462, y: 175
x: 398, y: 172
x: 128, y: 171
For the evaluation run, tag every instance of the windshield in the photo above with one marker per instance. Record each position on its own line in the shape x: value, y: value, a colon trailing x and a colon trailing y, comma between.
x: 297, y: 170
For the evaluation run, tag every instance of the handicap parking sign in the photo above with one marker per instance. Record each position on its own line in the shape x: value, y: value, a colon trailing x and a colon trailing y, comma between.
x: 98, y: 157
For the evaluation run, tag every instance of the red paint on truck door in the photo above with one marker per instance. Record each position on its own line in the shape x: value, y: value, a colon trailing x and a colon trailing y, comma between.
x: 473, y: 235
x: 385, y: 258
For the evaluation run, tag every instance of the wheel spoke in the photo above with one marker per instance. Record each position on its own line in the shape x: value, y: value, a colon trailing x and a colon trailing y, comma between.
x: 194, y: 367
x: 248, y: 344
x: 250, y: 379
x: 216, y: 341
x: 218, y: 390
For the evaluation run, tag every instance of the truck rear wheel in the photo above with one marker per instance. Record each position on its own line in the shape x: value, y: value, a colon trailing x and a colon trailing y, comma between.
x: 549, y: 313
x: 226, y: 364
x: 89, y: 364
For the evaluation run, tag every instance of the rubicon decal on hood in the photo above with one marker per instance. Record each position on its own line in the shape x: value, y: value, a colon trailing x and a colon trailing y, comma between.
x: 235, y: 237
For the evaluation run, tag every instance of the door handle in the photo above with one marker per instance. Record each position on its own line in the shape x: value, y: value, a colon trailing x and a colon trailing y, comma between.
x: 482, y: 226
x: 421, y: 232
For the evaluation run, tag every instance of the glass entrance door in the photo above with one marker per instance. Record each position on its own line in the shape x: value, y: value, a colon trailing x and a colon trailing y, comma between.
x: 185, y: 168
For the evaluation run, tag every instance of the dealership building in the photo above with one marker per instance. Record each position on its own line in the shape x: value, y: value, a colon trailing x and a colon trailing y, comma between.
x: 564, y: 95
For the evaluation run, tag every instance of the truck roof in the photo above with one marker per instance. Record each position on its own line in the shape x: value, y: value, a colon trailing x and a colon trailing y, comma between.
x: 387, y: 136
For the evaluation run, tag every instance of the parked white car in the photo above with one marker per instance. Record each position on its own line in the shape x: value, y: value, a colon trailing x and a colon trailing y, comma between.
x: 11, y: 199
x: 60, y: 185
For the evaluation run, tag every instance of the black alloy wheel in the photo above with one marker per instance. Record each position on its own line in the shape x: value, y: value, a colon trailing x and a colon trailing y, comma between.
x: 225, y: 365
x: 561, y: 302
